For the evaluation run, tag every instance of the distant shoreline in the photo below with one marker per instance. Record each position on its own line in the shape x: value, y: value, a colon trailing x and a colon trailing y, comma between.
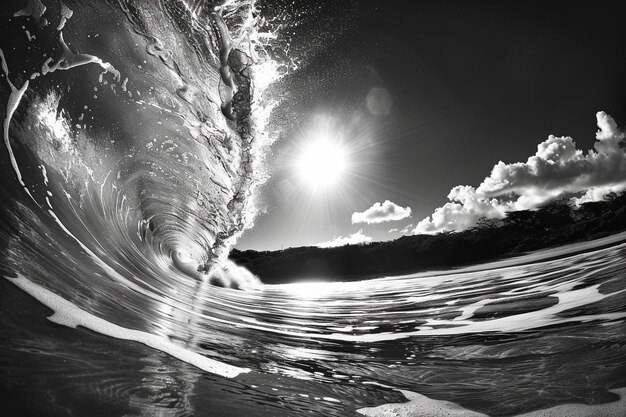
x: 549, y: 231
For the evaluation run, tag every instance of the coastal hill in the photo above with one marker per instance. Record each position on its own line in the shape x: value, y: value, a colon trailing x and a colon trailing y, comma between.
x: 554, y: 224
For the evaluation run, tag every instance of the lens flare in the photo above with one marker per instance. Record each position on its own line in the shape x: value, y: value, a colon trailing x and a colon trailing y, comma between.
x: 322, y: 162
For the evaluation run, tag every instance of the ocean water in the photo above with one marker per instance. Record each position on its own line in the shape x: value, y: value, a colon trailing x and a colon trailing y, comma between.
x: 134, y: 135
x: 492, y: 339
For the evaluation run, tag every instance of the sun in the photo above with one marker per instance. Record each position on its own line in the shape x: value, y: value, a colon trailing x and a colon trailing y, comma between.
x: 322, y: 162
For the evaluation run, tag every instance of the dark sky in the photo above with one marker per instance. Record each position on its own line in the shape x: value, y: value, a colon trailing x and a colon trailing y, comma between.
x: 472, y: 83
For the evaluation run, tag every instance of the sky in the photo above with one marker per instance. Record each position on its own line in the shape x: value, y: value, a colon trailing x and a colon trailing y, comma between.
x: 396, y: 114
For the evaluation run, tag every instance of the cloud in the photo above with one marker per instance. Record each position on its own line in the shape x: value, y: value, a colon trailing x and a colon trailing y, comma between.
x: 352, y: 239
x: 407, y: 229
x: 464, y: 210
x: 379, y: 213
x: 556, y: 170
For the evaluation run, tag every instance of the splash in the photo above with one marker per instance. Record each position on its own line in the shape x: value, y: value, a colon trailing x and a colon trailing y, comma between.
x: 154, y: 126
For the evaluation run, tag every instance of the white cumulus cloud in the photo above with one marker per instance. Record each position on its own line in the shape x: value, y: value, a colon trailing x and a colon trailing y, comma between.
x: 407, y: 229
x: 379, y: 213
x: 558, y: 169
x: 352, y: 239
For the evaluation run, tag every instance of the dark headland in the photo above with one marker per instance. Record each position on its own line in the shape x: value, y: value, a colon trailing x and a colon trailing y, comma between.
x: 555, y: 224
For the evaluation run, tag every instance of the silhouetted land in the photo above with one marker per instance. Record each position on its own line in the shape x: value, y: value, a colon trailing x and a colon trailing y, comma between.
x: 555, y: 224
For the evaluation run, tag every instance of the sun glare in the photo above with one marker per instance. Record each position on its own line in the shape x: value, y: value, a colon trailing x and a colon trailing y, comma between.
x: 321, y: 162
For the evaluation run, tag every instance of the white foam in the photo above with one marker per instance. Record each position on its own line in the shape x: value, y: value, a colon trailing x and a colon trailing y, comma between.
x: 13, y: 102
x: 378, y: 384
x: 520, y: 322
x: 67, y: 314
x: 66, y: 13
x: 331, y: 399
x: 34, y: 8
x: 44, y: 173
x: 421, y: 405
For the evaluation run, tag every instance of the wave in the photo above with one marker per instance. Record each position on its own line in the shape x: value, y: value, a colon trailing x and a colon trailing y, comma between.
x: 150, y: 131
x: 136, y: 137
x: 135, y: 134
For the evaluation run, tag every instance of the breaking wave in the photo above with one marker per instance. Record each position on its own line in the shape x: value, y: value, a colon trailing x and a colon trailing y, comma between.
x: 134, y: 135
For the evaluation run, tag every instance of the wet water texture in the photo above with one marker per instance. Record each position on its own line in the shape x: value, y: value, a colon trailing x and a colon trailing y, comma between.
x: 133, y: 145
x: 501, y: 341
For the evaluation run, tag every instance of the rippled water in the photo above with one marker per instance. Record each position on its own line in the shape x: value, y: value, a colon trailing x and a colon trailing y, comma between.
x: 498, y: 339
x: 134, y: 137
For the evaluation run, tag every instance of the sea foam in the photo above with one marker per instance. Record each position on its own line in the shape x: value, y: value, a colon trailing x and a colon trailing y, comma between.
x: 67, y: 314
x: 421, y: 405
